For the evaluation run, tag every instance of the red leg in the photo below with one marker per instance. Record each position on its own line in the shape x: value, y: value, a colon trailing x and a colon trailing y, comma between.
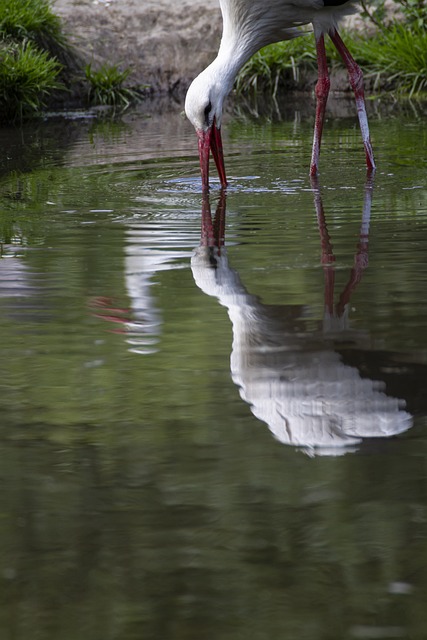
x: 322, y: 92
x: 356, y: 81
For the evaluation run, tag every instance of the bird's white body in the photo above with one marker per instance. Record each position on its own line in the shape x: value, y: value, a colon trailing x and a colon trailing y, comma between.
x: 249, y: 25
x: 258, y: 23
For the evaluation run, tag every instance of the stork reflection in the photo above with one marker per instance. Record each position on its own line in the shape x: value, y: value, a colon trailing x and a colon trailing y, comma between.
x: 293, y: 379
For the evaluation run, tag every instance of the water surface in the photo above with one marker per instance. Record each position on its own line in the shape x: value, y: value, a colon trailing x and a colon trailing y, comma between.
x: 213, y: 412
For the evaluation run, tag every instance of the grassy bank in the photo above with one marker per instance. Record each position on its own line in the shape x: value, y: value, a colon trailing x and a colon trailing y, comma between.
x: 31, y: 44
x: 394, y: 57
x: 39, y: 68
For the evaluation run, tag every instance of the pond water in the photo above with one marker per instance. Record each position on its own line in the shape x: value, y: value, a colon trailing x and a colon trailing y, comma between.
x: 213, y: 412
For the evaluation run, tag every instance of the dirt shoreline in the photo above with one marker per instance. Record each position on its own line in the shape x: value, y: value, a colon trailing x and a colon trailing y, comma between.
x: 165, y: 43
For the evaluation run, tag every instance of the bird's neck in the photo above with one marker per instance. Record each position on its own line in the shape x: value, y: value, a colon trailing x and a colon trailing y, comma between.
x: 230, y: 59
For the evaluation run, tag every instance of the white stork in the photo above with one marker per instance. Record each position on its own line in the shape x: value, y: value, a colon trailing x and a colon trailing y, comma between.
x: 249, y: 25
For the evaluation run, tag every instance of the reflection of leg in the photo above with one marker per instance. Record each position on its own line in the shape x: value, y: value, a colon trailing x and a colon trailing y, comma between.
x: 361, y: 258
x: 322, y: 92
x: 356, y: 81
x: 219, y: 221
x: 103, y: 307
x: 328, y: 257
x: 325, y: 239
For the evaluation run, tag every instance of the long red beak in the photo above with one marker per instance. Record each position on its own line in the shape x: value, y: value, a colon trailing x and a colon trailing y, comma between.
x: 211, y: 140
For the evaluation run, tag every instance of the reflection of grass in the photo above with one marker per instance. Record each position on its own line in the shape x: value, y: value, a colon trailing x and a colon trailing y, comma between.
x: 108, y: 130
x: 106, y: 86
x: 396, y: 57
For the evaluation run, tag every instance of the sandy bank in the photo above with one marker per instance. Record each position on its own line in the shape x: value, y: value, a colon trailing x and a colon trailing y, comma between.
x: 165, y: 43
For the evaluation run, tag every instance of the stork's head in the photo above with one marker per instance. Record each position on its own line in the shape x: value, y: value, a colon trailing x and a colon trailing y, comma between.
x: 203, y: 106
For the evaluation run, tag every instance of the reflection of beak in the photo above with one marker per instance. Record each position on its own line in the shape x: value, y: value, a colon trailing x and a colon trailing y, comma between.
x: 211, y: 140
x: 213, y: 231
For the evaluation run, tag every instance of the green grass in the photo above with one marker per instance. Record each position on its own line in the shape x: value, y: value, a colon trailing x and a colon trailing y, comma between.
x: 106, y: 86
x: 271, y: 65
x: 395, y: 57
x: 27, y: 76
x: 31, y: 20
x: 31, y: 48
